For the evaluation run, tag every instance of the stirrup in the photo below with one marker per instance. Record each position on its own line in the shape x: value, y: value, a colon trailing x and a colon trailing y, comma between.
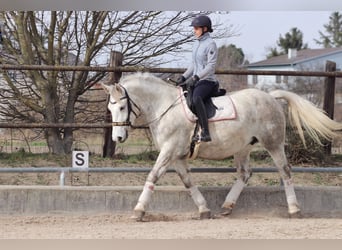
x: 205, y: 137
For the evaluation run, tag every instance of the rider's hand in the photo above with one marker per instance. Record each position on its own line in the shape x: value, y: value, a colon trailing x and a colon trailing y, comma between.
x: 192, y: 81
x: 180, y: 80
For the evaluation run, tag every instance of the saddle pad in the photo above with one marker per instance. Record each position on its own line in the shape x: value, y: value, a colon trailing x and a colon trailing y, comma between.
x: 225, y: 109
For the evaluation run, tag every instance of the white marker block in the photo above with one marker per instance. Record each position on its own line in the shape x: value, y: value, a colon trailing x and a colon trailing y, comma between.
x: 80, y: 159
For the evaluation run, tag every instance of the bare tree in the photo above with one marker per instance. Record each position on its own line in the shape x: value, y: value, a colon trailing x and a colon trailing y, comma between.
x: 77, y: 38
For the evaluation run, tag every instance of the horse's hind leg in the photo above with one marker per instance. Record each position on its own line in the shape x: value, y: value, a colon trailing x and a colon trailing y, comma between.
x: 183, y: 172
x: 279, y: 158
x: 241, y: 161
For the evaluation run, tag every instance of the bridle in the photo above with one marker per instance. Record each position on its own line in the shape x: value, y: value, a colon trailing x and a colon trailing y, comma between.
x: 131, y: 103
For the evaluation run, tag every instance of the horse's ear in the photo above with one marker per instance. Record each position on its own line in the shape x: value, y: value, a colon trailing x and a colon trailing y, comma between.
x: 106, y: 87
x: 118, y: 89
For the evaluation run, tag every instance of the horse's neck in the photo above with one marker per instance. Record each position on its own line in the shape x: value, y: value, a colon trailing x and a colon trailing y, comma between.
x: 153, y: 98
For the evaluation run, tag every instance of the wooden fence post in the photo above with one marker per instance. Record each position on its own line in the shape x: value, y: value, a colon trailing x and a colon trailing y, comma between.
x: 109, y: 146
x: 329, y: 97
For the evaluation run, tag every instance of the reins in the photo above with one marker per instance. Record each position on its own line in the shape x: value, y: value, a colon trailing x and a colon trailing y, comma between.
x: 158, y: 117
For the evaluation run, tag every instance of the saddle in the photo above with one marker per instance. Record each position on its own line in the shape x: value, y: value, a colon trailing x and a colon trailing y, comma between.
x: 209, y: 105
x: 219, y: 107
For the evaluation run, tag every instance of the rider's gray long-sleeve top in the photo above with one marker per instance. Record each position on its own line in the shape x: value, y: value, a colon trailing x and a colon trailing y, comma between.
x: 204, y: 57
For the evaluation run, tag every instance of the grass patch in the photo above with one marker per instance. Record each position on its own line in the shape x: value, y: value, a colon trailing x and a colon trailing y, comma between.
x: 147, y: 156
x: 17, y: 159
x: 261, y: 157
x: 336, y: 159
x: 318, y: 178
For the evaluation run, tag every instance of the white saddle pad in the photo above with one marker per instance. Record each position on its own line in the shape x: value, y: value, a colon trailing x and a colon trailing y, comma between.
x: 225, y: 109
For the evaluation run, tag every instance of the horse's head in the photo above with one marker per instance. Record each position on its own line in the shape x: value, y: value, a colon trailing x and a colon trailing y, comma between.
x: 120, y: 107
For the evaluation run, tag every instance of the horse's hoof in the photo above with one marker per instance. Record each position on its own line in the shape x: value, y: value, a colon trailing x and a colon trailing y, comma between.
x: 296, y: 215
x: 138, y: 216
x: 205, y: 215
x: 217, y: 216
x: 225, y: 211
x: 227, y: 208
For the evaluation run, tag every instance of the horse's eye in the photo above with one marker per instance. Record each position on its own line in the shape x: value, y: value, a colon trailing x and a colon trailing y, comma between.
x: 122, y: 108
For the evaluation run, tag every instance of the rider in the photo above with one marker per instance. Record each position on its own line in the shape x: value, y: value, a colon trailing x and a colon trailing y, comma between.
x: 201, y: 73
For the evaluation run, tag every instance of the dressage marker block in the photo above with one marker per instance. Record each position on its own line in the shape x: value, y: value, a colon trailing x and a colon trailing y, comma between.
x: 80, y: 159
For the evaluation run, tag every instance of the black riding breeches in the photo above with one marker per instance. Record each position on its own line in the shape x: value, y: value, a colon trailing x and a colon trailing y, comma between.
x: 204, y: 89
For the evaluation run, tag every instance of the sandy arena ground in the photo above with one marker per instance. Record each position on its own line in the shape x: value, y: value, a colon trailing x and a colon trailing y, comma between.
x: 165, y: 226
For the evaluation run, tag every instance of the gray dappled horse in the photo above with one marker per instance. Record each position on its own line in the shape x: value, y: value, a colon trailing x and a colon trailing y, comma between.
x: 142, y: 99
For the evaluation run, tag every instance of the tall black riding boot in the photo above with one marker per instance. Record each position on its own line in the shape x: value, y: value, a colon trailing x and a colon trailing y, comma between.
x: 203, y: 119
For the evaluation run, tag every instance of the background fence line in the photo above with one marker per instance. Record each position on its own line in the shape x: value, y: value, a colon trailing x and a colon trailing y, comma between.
x: 118, y: 69
x: 129, y: 69
x: 62, y: 125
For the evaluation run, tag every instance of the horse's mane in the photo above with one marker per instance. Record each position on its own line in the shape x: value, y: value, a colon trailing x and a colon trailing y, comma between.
x: 144, y: 76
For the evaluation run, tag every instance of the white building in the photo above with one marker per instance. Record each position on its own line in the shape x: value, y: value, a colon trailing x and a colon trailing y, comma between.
x: 302, y: 60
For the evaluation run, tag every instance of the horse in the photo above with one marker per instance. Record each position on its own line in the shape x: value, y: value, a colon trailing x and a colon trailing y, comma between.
x: 142, y: 99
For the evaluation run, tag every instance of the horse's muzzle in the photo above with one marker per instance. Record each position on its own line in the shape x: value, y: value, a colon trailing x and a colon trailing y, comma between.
x: 121, y: 138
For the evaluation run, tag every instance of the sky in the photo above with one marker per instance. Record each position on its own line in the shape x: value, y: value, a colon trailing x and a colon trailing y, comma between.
x: 258, y: 30
x: 261, y: 29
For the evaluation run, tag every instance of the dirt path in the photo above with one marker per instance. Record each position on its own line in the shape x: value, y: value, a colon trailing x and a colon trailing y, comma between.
x: 162, y: 226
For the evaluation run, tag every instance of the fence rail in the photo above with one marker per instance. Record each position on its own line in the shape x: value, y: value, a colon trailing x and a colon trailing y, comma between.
x: 167, y: 70
x: 62, y: 125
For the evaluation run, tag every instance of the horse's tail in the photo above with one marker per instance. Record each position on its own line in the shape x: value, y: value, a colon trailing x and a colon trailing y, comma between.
x: 306, y: 114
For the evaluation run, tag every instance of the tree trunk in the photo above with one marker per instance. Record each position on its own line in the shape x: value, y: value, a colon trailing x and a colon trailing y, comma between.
x: 109, y: 145
x: 53, y: 136
x: 68, y: 137
x: 54, y: 141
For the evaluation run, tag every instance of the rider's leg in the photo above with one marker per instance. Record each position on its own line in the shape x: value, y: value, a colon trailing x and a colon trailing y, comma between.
x: 202, y: 118
x: 203, y: 90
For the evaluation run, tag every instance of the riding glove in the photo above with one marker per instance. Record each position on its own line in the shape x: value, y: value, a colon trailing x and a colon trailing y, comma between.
x: 180, y: 80
x: 192, y: 81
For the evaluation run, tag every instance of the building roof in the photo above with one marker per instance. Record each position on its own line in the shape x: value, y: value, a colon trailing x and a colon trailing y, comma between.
x: 302, y: 56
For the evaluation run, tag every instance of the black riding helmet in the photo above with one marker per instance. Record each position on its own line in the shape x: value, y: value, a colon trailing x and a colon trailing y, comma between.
x: 202, y: 21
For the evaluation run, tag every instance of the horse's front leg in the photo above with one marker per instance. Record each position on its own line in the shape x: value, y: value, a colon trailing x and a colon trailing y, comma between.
x: 183, y: 172
x: 159, y: 168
